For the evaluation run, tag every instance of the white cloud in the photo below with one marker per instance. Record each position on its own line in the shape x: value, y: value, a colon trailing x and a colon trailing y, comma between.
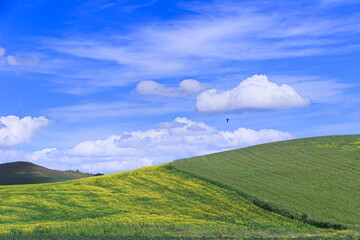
x: 107, y: 147
x: 210, y: 41
x: 44, y: 153
x: 147, y: 162
x: 2, y: 51
x: 16, y: 60
x: 186, y: 87
x: 254, y: 93
x: 15, y: 131
x: 166, y: 142
x: 94, y: 110
x: 318, y: 89
x: 12, y: 60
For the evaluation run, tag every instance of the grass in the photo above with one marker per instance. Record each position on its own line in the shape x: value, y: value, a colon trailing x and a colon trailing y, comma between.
x: 67, y: 237
x: 29, y: 178
x: 317, y: 176
x: 152, y: 201
x: 202, y: 197
x: 28, y: 173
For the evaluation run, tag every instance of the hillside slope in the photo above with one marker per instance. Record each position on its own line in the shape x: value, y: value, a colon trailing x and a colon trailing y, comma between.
x: 152, y: 195
x: 28, y: 173
x: 317, y: 176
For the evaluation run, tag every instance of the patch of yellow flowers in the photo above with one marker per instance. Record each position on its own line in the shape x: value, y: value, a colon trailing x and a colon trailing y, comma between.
x: 152, y: 195
x: 339, y: 145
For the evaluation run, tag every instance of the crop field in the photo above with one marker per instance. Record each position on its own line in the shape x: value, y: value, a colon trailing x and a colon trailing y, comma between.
x: 205, y: 196
x: 152, y: 201
x: 317, y: 176
x: 68, y: 237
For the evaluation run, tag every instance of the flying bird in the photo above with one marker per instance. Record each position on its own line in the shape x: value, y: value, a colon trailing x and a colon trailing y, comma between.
x: 227, y: 120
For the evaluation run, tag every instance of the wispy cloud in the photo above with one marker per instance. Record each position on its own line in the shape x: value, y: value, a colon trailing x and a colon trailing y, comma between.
x: 15, y: 60
x: 2, y: 51
x: 318, y: 89
x: 208, y: 42
x: 99, y: 110
x: 338, y: 2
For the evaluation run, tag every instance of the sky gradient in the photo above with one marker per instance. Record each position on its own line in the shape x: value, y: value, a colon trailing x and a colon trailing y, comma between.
x: 108, y: 86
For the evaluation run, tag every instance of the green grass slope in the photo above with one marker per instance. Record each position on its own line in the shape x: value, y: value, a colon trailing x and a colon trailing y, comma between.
x: 28, y: 173
x: 150, y: 201
x: 317, y: 176
x: 29, y: 178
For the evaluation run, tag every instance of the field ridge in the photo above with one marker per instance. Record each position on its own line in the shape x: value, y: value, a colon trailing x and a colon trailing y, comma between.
x: 317, y: 179
x: 268, y: 205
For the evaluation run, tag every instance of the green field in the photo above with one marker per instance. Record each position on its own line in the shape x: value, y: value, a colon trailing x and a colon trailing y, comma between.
x: 28, y: 178
x: 317, y: 176
x: 151, y: 201
x: 210, y: 196
x: 28, y: 173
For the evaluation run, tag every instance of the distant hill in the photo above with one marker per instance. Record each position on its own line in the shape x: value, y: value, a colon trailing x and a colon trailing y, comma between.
x: 15, y: 173
x: 318, y: 176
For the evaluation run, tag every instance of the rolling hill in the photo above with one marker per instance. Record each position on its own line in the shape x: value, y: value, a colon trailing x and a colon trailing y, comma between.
x: 210, y: 195
x: 152, y: 196
x: 318, y: 176
x: 28, y: 173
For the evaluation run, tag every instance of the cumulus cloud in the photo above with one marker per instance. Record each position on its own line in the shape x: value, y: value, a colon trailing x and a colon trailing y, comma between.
x: 166, y: 142
x: 15, y: 131
x: 107, y: 147
x: 186, y: 87
x: 254, y: 93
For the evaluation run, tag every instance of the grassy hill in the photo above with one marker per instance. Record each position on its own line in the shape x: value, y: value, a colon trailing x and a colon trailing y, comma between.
x: 151, y: 201
x: 201, y: 196
x: 317, y: 176
x: 28, y: 173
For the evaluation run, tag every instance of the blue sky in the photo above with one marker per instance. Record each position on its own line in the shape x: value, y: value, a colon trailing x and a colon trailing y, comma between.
x: 108, y: 86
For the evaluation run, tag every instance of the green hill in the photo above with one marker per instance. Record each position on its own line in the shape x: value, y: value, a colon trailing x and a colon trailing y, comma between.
x: 28, y: 173
x: 318, y: 176
x: 216, y: 195
x: 157, y: 199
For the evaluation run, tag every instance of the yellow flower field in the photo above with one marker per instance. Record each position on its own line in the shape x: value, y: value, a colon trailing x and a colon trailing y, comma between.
x: 153, y: 196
